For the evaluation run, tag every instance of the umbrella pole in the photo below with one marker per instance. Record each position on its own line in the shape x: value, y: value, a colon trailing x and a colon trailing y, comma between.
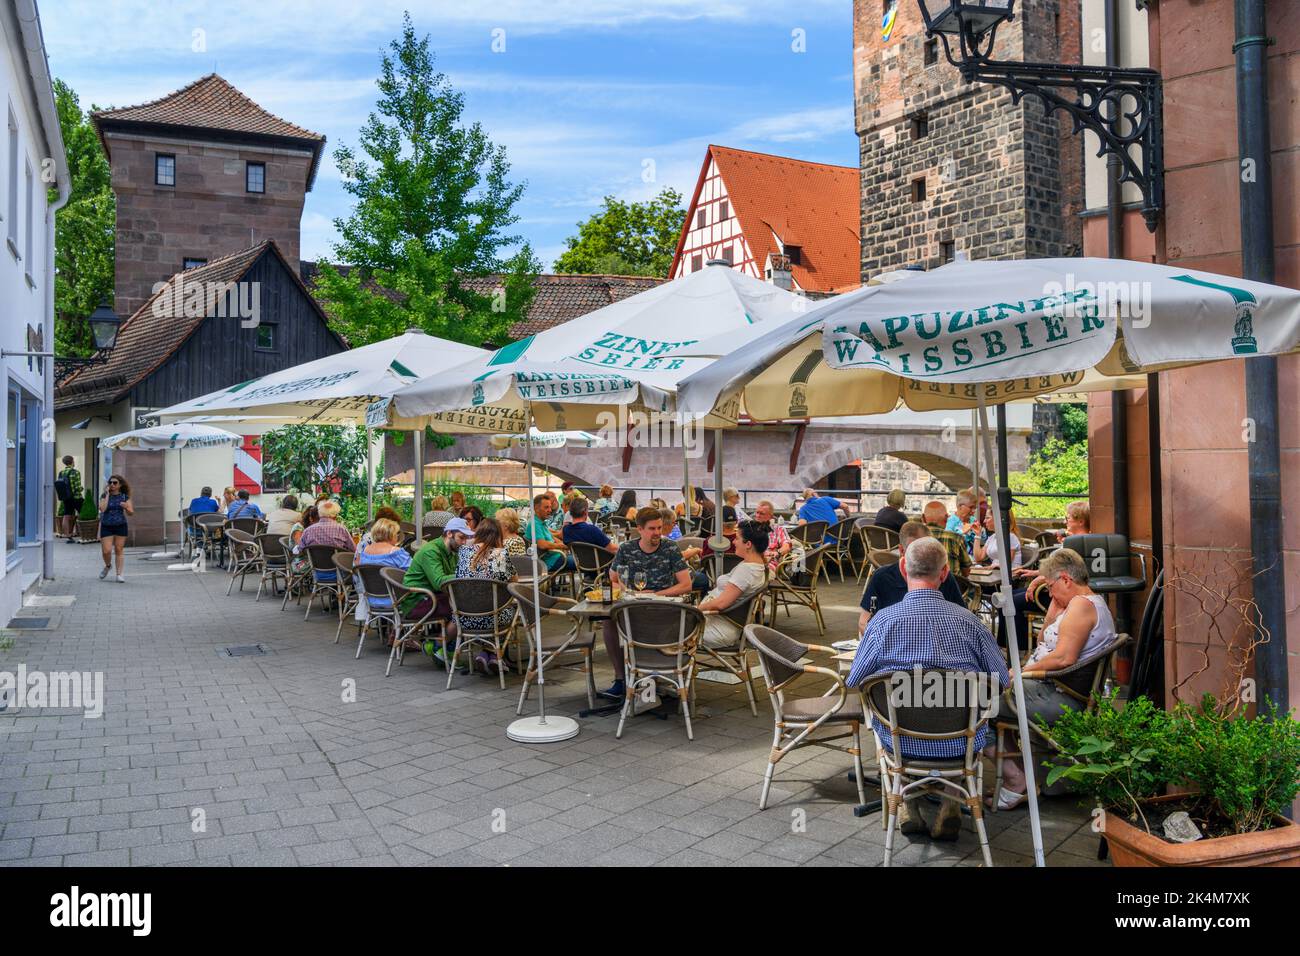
x: 164, y: 553
x: 370, y: 476
x: 688, y: 493
x: 1013, y: 652
x: 975, y: 456
x: 538, y: 730
x: 417, y: 506
x: 719, y: 542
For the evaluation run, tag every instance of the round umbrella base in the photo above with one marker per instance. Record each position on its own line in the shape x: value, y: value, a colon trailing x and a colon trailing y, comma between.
x: 532, y: 730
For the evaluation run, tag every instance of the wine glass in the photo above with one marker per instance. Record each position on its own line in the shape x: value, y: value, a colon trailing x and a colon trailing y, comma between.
x: 639, y: 580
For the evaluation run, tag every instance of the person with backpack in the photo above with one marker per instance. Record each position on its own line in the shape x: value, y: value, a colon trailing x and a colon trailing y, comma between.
x: 71, y: 496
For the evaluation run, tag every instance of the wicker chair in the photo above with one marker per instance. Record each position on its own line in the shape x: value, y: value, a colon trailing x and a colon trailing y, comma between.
x: 904, y: 778
x: 659, y: 640
x: 245, y: 557
x: 1081, y: 681
x: 874, y: 538
x: 297, y: 583
x: 275, y: 565
x: 784, y: 589
x: 321, y: 557
x: 407, y: 623
x: 734, y: 660
x: 554, y: 646
x: 211, y: 529
x: 480, y: 597
x: 374, y: 585
x: 799, y: 723
x: 810, y: 535
x: 593, y: 564
x: 250, y: 526
x: 841, y: 548
x: 346, y: 592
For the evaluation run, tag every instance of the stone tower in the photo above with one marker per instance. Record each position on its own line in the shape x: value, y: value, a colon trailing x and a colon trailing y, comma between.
x: 201, y: 173
x: 952, y: 167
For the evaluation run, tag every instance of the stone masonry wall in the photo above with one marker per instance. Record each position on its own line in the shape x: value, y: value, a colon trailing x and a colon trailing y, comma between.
x: 206, y: 214
x: 998, y: 179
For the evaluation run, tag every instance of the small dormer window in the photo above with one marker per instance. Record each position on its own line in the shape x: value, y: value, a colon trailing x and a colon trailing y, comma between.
x: 255, y: 178
x: 795, y: 255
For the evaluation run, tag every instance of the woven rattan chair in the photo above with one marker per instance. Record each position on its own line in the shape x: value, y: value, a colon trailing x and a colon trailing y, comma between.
x: 659, y: 639
x: 734, y: 660
x: 785, y: 588
x: 245, y: 557
x: 211, y: 529
x: 555, y: 646
x: 250, y: 525
x: 1081, y: 681
x: 298, y: 582
x: 372, y: 585
x: 904, y: 778
x: 346, y: 592
x: 480, y: 597
x: 810, y: 535
x: 593, y: 565
x: 321, y: 557
x: 275, y: 566
x: 407, y: 623
x: 803, y: 722
x: 841, y: 548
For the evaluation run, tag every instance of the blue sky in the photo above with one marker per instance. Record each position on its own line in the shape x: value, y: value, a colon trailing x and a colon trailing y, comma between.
x: 586, y: 95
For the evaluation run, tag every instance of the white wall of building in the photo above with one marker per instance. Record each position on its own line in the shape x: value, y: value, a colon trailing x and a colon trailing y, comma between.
x: 31, y: 162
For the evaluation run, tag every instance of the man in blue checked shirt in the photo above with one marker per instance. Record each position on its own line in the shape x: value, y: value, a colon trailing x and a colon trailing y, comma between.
x: 926, y: 630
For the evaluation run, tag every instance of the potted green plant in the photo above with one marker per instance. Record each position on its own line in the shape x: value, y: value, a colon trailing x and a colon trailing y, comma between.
x: 1231, y: 775
x: 88, y: 520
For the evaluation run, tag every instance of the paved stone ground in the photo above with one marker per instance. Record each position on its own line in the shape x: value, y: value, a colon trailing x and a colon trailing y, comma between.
x: 286, y: 773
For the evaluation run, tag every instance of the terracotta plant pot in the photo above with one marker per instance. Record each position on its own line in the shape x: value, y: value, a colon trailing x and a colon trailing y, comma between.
x: 88, y: 530
x: 1132, y: 846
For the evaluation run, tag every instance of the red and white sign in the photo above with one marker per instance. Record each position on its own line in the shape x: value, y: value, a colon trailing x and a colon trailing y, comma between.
x: 248, y: 466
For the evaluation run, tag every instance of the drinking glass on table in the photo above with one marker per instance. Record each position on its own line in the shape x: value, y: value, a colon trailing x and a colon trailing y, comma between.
x: 639, y: 580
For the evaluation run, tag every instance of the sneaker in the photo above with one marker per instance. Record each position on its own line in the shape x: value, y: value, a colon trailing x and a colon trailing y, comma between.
x: 103, y: 574
x: 615, y: 691
x: 121, y: 580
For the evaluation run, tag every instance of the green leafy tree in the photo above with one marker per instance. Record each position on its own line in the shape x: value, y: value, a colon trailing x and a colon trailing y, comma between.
x: 1074, y: 423
x: 83, y: 232
x: 433, y: 210
x: 313, y: 458
x: 626, y: 238
x: 1059, y: 469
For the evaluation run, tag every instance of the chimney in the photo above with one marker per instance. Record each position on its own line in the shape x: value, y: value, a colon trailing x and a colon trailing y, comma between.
x: 777, y: 271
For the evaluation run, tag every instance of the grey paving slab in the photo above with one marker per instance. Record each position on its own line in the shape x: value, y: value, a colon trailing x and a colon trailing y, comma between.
x: 286, y: 772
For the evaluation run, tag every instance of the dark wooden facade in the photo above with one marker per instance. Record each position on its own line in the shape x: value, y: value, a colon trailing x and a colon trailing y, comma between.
x: 222, y: 353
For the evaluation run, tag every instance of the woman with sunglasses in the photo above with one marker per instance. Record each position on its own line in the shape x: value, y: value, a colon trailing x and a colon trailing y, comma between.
x: 114, y: 508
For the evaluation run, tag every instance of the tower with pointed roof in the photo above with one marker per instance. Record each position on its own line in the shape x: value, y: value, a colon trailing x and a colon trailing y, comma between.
x: 198, y: 174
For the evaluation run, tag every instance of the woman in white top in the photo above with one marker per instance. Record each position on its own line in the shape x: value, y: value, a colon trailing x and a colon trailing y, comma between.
x: 736, y: 586
x: 987, y: 546
x: 1078, y: 625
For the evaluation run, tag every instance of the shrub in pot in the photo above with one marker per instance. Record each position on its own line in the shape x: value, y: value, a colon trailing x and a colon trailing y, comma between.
x: 1235, y: 774
x: 88, y: 520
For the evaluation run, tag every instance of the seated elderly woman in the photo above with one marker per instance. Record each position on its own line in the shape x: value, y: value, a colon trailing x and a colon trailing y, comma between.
x: 380, y: 546
x: 512, y: 540
x: 1078, y: 625
x: 739, y: 584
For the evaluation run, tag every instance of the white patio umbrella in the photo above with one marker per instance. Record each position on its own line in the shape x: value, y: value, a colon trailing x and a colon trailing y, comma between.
x: 176, y: 437
x: 334, y: 390
x: 976, y: 333
x: 629, y: 355
x: 548, y: 440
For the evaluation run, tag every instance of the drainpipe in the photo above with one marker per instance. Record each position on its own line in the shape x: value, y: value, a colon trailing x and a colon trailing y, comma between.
x: 38, y: 66
x: 1264, y: 462
x: 1118, y: 400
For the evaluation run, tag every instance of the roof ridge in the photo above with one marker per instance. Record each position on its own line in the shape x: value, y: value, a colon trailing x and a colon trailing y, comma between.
x: 154, y: 102
x: 787, y: 159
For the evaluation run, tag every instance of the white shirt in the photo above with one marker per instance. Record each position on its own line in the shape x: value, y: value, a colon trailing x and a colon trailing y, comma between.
x: 991, y: 549
x: 1102, y: 633
x: 746, y: 576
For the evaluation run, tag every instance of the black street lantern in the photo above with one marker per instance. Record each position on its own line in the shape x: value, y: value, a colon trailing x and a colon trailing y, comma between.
x: 1120, y: 105
x: 104, y: 323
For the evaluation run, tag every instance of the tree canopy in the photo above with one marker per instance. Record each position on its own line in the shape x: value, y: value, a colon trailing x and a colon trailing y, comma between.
x: 626, y: 238
x: 83, y: 230
x: 433, y: 210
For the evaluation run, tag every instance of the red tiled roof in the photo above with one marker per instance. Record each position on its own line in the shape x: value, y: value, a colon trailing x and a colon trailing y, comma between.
x: 210, y: 103
x: 560, y: 296
x: 145, y: 341
x: 815, y: 206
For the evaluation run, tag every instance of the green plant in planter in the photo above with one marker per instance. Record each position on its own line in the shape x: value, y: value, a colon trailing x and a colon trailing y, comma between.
x: 89, y: 509
x: 1248, y: 770
x: 1117, y: 758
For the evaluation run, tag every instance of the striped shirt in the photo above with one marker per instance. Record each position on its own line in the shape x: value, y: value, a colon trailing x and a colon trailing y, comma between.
x: 926, y: 630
